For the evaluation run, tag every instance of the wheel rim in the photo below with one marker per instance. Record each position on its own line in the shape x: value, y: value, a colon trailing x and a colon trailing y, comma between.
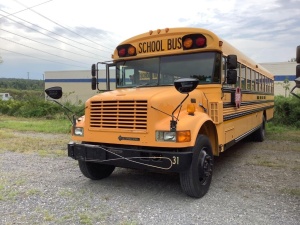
x: 204, y: 167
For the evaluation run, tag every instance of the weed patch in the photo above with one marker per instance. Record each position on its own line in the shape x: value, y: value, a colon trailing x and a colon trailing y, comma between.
x: 293, y: 191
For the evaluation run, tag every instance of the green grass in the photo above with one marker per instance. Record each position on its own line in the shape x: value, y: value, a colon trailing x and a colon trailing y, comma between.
x: 268, y: 163
x: 85, y: 218
x: 42, y: 145
x: 9, y: 190
x: 34, y: 124
x: 294, y: 191
x: 282, y: 133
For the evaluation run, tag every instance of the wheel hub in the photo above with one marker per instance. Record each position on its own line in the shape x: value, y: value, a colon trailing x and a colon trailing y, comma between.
x: 205, y: 166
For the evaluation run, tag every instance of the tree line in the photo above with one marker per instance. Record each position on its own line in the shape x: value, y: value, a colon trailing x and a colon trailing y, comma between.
x: 21, y: 84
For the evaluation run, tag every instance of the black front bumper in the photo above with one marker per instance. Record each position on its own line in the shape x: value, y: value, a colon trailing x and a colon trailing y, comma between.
x: 127, y: 157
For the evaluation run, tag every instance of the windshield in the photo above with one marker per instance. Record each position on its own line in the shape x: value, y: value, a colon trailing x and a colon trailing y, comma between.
x: 165, y: 70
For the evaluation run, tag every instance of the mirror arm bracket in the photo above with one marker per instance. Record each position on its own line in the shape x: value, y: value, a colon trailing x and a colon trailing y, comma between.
x: 173, y: 123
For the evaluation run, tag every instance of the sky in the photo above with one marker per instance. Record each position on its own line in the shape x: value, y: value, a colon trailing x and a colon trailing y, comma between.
x: 58, y: 35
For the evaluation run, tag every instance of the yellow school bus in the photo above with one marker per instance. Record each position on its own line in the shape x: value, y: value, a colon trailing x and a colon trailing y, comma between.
x: 173, y: 100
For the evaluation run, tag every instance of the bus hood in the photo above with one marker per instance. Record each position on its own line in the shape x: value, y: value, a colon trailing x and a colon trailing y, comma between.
x: 141, y: 93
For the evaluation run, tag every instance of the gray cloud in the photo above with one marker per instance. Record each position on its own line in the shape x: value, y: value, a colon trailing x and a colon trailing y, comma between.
x: 249, y: 22
x: 75, y: 32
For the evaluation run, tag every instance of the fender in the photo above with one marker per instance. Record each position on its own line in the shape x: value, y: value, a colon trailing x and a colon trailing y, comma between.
x: 200, y: 123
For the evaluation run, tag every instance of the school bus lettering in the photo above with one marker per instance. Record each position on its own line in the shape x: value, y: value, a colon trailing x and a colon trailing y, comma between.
x: 151, y: 46
x: 160, y: 45
x: 174, y: 43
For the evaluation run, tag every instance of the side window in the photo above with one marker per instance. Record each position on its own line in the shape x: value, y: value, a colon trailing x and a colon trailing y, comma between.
x: 263, y: 83
x: 257, y: 81
x: 223, y: 71
x: 260, y: 82
x: 248, y: 78
x: 253, y: 73
x: 243, y: 77
x: 238, y: 71
x: 272, y: 86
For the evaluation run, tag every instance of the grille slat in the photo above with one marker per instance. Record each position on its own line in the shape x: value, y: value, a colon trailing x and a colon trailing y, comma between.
x: 129, y: 115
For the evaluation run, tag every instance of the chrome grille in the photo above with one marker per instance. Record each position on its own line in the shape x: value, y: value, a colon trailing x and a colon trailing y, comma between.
x: 129, y: 115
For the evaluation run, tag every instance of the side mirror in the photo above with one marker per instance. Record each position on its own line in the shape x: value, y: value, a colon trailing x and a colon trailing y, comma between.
x: 298, y: 54
x: 231, y: 76
x: 297, y: 80
x: 185, y: 85
x: 54, y: 92
x: 94, y: 83
x: 231, y: 62
x: 93, y: 71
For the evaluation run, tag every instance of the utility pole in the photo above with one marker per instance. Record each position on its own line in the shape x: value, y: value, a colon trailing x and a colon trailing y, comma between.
x: 28, y: 75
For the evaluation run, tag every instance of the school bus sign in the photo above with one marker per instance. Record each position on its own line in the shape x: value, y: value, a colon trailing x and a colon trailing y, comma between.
x: 160, y: 45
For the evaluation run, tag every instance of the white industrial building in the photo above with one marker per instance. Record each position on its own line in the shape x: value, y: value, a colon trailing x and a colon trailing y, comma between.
x: 76, y: 85
x: 282, y: 71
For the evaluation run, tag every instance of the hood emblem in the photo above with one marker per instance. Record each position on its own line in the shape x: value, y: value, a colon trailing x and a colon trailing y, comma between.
x: 128, y: 138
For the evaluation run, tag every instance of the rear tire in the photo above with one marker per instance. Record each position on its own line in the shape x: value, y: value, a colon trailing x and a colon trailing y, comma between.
x: 259, y: 135
x: 95, y: 171
x: 196, y: 180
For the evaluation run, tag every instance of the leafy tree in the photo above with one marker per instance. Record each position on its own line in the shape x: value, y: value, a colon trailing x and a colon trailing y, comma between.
x: 22, y: 84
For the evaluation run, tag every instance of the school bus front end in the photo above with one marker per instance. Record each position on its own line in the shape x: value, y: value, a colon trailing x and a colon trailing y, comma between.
x: 131, y: 128
x: 172, y: 108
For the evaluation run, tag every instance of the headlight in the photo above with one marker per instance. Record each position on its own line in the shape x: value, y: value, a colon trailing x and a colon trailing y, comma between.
x: 78, y: 131
x: 169, y: 136
x: 165, y: 136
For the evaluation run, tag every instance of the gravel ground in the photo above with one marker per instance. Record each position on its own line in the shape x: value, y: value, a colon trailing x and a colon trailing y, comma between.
x: 253, y: 183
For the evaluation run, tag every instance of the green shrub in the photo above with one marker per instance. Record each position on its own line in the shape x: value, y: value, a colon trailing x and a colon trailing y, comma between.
x: 287, y: 111
x: 24, y: 94
x: 36, y: 108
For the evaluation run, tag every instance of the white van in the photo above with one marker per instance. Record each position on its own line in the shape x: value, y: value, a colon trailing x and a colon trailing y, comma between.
x: 5, y: 96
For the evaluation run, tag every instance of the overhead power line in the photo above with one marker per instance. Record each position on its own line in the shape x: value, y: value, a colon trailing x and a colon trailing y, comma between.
x: 26, y: 9
x: 62, y: 26
x: 52, y: 37
x: 41, y: 58
x: 47, y: 44
x: 43, y: 51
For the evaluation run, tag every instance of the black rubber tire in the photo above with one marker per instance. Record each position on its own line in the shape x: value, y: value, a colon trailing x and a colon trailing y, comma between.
x: 95, y: 171
x: 259, y: 135
x: 196, y: 180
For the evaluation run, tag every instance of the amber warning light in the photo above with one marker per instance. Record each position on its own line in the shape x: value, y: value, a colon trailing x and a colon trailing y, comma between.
x: 126, y: 50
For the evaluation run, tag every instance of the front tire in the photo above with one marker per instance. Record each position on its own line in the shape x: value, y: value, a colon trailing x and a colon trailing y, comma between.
x: 95, y: 171
x: 196, y: 180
